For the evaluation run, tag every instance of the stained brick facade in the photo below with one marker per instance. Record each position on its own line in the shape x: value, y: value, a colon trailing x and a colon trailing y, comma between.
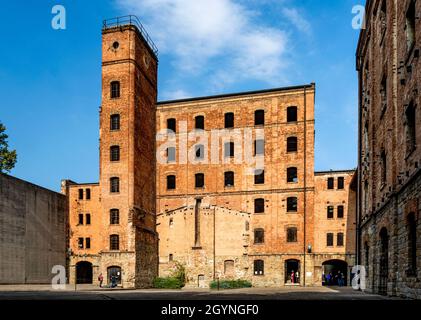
x: 389, y: 152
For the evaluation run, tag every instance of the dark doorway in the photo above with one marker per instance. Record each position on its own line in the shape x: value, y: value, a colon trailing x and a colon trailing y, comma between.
x: 114, y: 272
x: 292, y: 272
x: 83, y: 272
x: 384, y: 261
x: 333, y: 271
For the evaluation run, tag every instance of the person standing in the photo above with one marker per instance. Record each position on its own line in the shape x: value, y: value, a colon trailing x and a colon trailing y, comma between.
x: 292, y: 277
x: 100, y: 279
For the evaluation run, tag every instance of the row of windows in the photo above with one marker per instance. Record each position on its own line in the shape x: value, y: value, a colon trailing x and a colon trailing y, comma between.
x: 339, y: 239
x: 86, y: 192
x: 229, y: 149
x: 259, y: 178
x: 85, y: 243
x: 331, y: 183
x: 259, y: 235
x: 339, y: 212
x: 229, y: 122
x: 85, y: 219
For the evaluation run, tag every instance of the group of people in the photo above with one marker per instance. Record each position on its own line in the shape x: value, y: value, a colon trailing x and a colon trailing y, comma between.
x: 337, y: 279
x: 113, y: 281
x: 295, y: 277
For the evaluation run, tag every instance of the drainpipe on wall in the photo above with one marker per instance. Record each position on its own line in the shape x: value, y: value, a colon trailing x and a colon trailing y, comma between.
x: 305, y: 183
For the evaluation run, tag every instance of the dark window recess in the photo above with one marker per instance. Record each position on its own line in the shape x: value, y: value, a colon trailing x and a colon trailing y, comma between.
x: 229, y: 120
x: 330, y: 183
x: 340, y: 212
x: 80, y: 194
x: 410, y: 25
x: 171, y: 154
x: 259, y: 267
x: 383, y: 163
x: 199, y: 180
x: 292, y: 204
x: 259, y: 205
x: 341, y: 183
x: 292, y: 144
x: 292, y: 114
x: 229, y: 149
x: 259, y: 176
x: 80, y: 243
x: 114, y: 185
x: 383, y: 95
x: 410, y: 128
x: 115, y: 89
x: 259, y: 236
x: 292, y: 235
x: 80, y: 219
x: 200, y: 151
x: 329, y: 239
x: 115, y: 122
x: 114, y: 216
x: 259, y: 147
x: 171, y: 125
x: 171, y: 182
x: 292, y: 175
x: 229, y: 179
x: 330, y: 212
x: 200, y: 122
x: 340, y: 239
x: 412, y: 245
x: 114, y: 153
x: 88, y: 219
x: 114, y: 242
x: 259, y: 117
x: 170, y: 257
x: 88, y: 194
x: 88, y: 243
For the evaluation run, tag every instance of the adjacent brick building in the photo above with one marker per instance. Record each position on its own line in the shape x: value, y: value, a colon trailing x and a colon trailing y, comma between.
x: 389, y: 152
x: 223, y: 184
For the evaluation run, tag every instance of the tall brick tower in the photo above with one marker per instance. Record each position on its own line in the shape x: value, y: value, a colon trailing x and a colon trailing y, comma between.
x: 127, y: 151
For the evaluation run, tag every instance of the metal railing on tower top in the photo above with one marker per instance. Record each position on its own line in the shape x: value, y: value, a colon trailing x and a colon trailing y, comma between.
x: 131, y: 20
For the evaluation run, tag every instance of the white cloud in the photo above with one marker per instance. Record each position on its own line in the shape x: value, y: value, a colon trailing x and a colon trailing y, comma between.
x: 297, y: 19
x: 219, y: 38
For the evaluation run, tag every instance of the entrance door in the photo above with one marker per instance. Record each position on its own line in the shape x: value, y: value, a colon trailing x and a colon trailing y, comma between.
x: 292, y: 272
x: 83, y: 272
x: 333, y: 270
x: 114, y: 272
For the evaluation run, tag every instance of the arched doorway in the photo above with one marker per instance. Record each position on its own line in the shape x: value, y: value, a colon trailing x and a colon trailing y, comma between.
x: 333, y: 270
x: 83, y: 272
x: 292, y: 272
x: 115, y: 272
x: 384, y: 261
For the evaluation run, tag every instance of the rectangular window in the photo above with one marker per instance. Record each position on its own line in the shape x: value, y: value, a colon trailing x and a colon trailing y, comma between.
x: 229, y: 179
x: 171, y: 182
x: 171, y: 125
x: 259, y: 236
x: 114, y: 242
x: 341, y: 183
x: 259, y: 205
x: 229, y: 120
x: 330, y: 212
x: 229, y: 149
x: 88, y: 219
x: 171, y: 154
x: 80, y: 194
x: 259, y: 147
x: 200, y: 151
x: 88, y: 243
x: 259, y: 177
x: 114, y: 153
x: 259, y: 117
x: 340, y: 212
x: 292, y: 114
x: 259, y: 267
x: 114, y: 216
x: 80, y: 219
x: 330, y: 183
x: 292, y: 144
x: 292, y: 175
x: 199, y: 180
x: 80, y: 243
x: 292, y: 205
x: 200, y: 122
x: 292, y: 235
x: 329, y: 239
x: 115, y: 89
x: 115, y: 122
x: 340, y: 239
x: 88, y: 194
x: 114, y: 185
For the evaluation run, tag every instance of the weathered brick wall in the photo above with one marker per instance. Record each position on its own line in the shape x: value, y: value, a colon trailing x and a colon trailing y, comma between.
x: 32, y: 232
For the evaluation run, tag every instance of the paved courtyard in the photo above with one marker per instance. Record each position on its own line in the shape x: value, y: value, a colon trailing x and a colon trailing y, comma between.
x: 88, y: 292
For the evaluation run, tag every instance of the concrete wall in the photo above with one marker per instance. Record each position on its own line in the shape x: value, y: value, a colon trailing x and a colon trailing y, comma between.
x: 32, y: 232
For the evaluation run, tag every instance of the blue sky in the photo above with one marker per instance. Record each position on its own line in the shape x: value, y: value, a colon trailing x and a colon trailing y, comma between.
x: 51, y: 79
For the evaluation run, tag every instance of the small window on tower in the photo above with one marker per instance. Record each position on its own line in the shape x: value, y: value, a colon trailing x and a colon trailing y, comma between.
x: 341, y: 183
x: 114, y: 216
x: 115, y: 122
x: 88, y: 194
x: 114, y: 185
x: 80, y: 219
x: 114, y: 153
x: 115, y: 89
x: 292, y: 144
x: 330, y: 183
x: 80, y: 194
x: 114, y: 242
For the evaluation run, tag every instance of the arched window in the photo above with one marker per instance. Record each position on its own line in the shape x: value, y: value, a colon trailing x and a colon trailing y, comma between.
x: 199, y: 122
x: 114, y: 185
x: 229, y: 179
x: 259, y: 236
x: 114, y: 153
x: 114, y: 216
x: 114, y: 242
x: 292, y: 175
x: 115, y: 89
x: 229, y: 120
x: 292, y: 114
x: 115, y: 122
x: 292, y: 144
x: 292, y: 204
x: 259, y: 117
x: 171, y: 182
